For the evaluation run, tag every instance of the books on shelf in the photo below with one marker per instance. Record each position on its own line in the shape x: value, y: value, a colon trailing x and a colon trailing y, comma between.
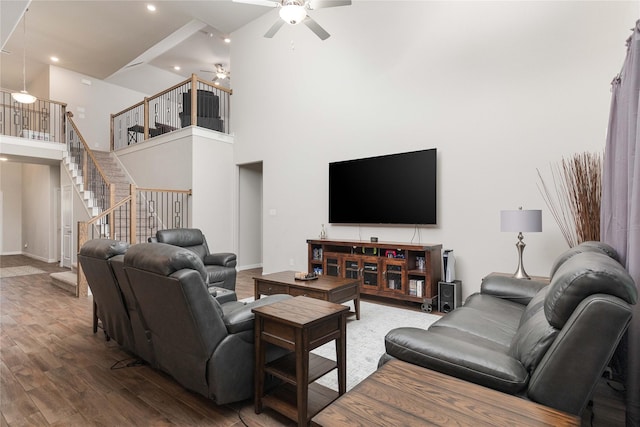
x: 416, y: 287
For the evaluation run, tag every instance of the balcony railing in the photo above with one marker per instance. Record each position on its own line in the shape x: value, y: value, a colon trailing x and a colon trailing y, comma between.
x: 177, y: 107
x: 44, y: 120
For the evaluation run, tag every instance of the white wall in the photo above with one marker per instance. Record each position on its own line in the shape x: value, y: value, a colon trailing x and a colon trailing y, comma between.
x: 91, y: 104
x: 214, y: 191
x: 499, y: 88
x: 190, y: 159
x: 38, y: 191
x: 11, y: 188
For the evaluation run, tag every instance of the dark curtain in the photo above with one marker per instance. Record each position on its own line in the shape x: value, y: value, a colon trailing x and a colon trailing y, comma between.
x: 620, y: 216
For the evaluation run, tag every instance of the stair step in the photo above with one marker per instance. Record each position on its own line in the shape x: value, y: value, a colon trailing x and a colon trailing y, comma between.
x: 65, y: 280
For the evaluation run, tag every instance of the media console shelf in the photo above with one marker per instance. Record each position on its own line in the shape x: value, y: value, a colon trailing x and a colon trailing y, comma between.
x: 402, y: 271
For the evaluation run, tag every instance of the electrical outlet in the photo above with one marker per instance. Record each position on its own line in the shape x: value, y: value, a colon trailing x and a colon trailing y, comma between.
x: 292, y: 261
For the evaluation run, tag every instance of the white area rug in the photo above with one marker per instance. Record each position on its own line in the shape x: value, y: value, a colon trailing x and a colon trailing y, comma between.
x: 19, y: 271
x: 365, y: 339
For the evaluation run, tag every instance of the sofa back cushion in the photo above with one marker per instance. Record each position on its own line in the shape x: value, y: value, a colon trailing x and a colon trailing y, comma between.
x: 582, y: 275
x: 534, y: 336
x: 103, y: 248
x: 188, y: 238
x: 165, y: 259
x: 589, y: 246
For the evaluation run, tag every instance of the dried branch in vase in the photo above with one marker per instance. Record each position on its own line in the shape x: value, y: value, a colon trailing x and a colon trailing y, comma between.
x: 574, y: 200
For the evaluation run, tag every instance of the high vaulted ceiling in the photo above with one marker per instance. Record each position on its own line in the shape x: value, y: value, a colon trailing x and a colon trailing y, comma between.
x: 101, y: 38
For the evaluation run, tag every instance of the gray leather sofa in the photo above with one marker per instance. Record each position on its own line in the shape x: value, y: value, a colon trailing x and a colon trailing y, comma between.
x: 206, y: 346
x: 221, y: 267
x: 547, y: 343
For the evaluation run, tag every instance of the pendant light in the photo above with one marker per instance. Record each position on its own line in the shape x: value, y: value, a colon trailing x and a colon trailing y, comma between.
x: 23, y: 96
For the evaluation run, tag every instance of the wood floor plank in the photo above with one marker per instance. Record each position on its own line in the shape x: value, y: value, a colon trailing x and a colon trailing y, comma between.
x: 55, y: 372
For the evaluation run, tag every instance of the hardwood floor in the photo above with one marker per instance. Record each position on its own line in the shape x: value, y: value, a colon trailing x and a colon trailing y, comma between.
x: 55, y: 372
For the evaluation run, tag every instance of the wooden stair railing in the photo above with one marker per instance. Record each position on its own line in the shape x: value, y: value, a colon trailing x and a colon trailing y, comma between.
x: 93, y: 177
x: 127, y: 210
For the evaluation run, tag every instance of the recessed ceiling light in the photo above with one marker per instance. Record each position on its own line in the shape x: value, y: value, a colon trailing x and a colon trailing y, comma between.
x: 55, y: 59
x: 227, y: 40
x: 216, y: 83
x: 3, y: 159
x: 177, y: 68
x: 151, y: 8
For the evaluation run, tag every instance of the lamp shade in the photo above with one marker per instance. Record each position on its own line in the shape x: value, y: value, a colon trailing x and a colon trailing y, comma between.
x: 521, y: 220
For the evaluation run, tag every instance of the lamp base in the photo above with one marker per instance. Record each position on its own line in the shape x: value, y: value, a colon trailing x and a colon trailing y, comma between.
x: 520, y: 273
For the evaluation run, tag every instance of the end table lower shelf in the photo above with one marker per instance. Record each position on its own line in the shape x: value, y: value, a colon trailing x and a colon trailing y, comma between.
x: 283, y: 399
x: 299, y: 324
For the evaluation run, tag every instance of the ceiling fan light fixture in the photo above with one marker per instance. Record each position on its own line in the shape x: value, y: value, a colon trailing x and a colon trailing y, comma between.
x: 221, y: 75
x: 293, y: 13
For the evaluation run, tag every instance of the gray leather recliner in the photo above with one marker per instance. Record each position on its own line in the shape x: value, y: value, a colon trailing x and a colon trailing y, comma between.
x: 547, y: 343
x: 221, y: 267
x: 206, y: 346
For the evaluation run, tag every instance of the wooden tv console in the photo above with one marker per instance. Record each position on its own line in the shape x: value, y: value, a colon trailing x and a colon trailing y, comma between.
x: 385, y: 269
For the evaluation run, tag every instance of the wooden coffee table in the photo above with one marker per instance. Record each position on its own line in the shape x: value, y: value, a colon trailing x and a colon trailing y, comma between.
x: 328, y: 288
x: 401, y: 394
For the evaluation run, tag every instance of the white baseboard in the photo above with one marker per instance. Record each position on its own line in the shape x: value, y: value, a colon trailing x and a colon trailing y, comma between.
x: 39, y: 258
x: 249, y: 267
x: 12, y: 253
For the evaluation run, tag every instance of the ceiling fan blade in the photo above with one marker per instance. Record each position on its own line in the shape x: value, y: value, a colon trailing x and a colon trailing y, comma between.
x: 316, y: 28
x: 319, y: 4
x: 274, y: 29
x: 268, y: 3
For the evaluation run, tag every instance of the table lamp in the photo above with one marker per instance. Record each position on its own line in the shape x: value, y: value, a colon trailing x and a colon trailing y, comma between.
x: 518, y: 221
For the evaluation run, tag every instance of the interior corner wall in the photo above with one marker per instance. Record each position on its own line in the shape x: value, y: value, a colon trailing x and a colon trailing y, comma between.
x: 213, y: 189
x: 250, y: 216
x: 501, y: 89
x: 92, y: 102
x: 11, y: 221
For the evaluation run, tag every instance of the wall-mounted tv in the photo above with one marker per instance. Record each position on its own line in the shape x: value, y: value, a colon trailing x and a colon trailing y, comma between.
x: 392, y: 189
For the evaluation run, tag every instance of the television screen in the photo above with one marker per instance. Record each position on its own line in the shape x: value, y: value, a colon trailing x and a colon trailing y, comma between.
x: 391, y: 189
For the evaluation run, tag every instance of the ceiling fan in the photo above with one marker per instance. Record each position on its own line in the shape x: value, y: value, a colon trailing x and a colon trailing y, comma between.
x: 220, y: 73
x: 294, y: 12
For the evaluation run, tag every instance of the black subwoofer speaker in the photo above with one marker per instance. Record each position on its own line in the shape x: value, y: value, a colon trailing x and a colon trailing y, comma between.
x: 449, y: 296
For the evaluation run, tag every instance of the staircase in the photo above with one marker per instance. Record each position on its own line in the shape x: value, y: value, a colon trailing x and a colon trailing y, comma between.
x: 114, y: 174
x: 67, y: 280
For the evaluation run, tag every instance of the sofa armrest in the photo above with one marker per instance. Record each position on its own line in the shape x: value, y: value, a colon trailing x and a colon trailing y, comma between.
x: 225, y: 259
x: 460, y: 358
x: 510, y: 288
x: 242, y: 318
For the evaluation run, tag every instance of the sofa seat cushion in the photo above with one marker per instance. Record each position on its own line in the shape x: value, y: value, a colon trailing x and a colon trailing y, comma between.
x: 486, y: 317
x: 454, y: 352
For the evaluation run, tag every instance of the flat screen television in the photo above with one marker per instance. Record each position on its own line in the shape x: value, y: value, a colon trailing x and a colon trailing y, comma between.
x: 392, y: 189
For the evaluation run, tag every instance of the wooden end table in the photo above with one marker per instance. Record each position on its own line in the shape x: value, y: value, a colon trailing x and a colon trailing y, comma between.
x: 299, y: 324
x: 401, y: 394
x: 329, y: 288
